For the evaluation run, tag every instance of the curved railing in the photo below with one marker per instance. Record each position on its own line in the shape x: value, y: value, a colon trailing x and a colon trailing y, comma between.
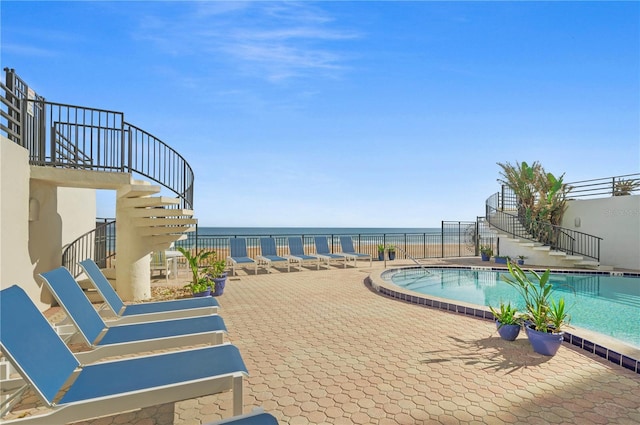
x: 558, y: 238
x: 69, y: 136
x: 98, y: 244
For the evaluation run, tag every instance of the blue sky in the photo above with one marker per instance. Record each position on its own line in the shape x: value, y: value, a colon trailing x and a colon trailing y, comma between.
x: 347, y: 114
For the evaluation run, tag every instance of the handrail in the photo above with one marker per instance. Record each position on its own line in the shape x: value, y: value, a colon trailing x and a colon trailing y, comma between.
x: 70, y: 136
x: 98, y: 244
x: 558, y: 238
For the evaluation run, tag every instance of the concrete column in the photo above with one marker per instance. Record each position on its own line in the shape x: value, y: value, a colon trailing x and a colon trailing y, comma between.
x: 133, y: 276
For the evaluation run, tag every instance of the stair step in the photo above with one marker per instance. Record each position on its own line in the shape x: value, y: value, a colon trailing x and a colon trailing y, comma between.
x: 588, y: 264
x: 137, y: 190
x: 557, y: 253
x: 161, y: 212
x: 163, y: 242
x: 574, y: 258
x: 149, y: 201
x: 165, y: 230
x: 531, y: 244
x: 155, y: 221
x: 542, y: 248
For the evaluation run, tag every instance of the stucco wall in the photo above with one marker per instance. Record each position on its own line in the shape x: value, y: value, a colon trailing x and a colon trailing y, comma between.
x: 15, y: 264
x: 31, y: 244
x: 616, y: 220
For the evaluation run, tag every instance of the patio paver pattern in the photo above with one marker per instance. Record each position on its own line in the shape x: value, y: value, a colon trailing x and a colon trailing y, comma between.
x: 321, y: 347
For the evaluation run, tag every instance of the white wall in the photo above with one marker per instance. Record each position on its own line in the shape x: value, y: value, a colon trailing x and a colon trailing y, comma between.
x: 616, y: 220
x: 31, y: 245
x: 16, y: 266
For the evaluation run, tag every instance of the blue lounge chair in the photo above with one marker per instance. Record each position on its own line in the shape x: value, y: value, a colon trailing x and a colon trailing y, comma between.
x: 108, y: 340
x: 269, y: 256
x: 348, y: 251
x: 238, y: 255
x: 297, y: 255
x: 74, y: 391
x: 145, y: 312
x: 322, y: 251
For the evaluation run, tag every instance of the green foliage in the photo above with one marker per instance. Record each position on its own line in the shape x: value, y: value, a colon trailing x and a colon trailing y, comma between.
x: 544, y: 314
x: 391, y: 248
x: 507, y: 315
x: 201, y: 266
x: 381, y: 248
x: 625, y: 187
x: 486, y: 250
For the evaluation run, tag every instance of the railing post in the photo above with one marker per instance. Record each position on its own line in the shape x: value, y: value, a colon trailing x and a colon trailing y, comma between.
x: 442, y: 239
x: 501, y: 200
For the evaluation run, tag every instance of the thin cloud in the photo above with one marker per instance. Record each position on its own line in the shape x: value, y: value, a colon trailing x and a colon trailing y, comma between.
x: 28, y: 50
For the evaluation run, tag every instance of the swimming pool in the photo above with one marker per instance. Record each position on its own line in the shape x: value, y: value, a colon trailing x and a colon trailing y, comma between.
x: 609, y: 305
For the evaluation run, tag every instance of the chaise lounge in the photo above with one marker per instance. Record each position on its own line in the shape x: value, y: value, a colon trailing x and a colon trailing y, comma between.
x: 348, y: 251
x: 145, y: 312
x: 74, y: 391
x: 323, y: 252
x: 297, y: 255
x: 269, y: 256
x: 106, y: 340
x: 238, y: 255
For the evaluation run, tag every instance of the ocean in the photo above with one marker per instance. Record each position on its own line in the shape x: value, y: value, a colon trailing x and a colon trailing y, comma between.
x: 299, y: 231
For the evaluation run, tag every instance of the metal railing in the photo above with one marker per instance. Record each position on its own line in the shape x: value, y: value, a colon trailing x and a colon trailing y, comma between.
x: 69, y: 136
x: 557, y: 238
x: 628, y: 184
x: 97, y: 244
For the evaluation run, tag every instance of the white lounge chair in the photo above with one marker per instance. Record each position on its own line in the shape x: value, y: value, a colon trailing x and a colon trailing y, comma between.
x: 297, y: 255
x: 106, y: 340
x: 74, y: 391
x: 269, y: 256
x: 145, y: 312
x: 348, y: 251
x: 238, y: 255
x: 160, y: 263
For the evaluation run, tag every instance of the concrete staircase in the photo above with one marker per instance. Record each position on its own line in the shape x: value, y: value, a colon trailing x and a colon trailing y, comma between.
x: 160, y: 226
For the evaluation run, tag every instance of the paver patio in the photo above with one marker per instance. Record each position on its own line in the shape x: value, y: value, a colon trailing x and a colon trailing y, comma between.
x: 321, y: 347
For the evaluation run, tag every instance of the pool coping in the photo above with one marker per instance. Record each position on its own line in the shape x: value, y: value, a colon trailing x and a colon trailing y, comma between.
x: 623, y: 355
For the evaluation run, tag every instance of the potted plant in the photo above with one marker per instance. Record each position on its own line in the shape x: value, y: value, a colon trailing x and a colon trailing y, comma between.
x: 544, y: 317
x: 381, y: 252
x: 502, y: 259
x: 486, y: 252
x: 508, y: 321
x: 200, y: 281
x: 521, y: 260
x: 391, y: 249
x: 215, y: 270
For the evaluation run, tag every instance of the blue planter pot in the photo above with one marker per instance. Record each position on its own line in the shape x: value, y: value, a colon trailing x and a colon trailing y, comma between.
x: 508, y: 332
x: 392, y: 255
x: 220, y: 283
x: 544, y: 343
x: 500, y: 260
x: 380, y: 256
x: 484, y: 257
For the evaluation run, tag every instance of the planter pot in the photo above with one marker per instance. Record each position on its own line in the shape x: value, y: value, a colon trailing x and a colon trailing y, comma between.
x: 508, y: 332
x: 203, y: 293
x: 380, y: 256
x: 392, y: 255
x: 484, y: 257
x: 220, y: 284
x: 500, y: 260
x: 544, y: 343
x: 520, y: 262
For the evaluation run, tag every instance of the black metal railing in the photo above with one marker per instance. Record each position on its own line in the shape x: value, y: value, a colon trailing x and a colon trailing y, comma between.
x: 69, y: 136
x: 97, y: 244
x: 557, y: 238
x: 628, y: 184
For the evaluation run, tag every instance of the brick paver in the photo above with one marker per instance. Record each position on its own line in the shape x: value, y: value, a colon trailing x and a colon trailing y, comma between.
x: 321, y: 347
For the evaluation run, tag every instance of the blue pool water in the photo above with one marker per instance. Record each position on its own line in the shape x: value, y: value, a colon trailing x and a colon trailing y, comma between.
x: 609, y: 305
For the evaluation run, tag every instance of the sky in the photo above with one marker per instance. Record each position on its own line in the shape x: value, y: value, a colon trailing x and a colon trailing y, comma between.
x: 347, y: 114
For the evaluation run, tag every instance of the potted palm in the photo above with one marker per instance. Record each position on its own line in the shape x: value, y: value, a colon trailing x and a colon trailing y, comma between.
x: 486, y: 252
x: 521, y: 260
x: 544, y: 317
x: 391, y: 249
x: 215, y: 270
x: 508, y: 321
x: 381, y: 252
x: 201, y: 284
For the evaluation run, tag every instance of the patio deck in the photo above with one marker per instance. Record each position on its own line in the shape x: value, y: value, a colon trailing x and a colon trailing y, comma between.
x: 321, y: 347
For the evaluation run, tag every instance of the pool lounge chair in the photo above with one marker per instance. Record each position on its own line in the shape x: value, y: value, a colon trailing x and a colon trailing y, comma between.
x: 256, y: 417
x: 238, y: 255
x: 75, y: 392
x: 323, y: 252
x: 145, y: 312
x: 106, y: 340
x: 297, y: 255
x: 160, y: 263
x: 269, y: 256
x: 348, y: 251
